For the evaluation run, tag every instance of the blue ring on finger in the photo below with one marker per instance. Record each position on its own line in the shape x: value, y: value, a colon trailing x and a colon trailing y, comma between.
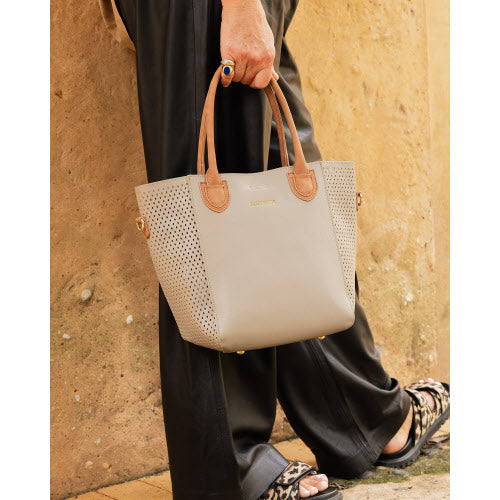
x: 227, y: 70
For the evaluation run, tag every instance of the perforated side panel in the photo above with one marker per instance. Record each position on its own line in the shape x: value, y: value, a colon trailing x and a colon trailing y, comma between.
x: 340, y: 187
x: 175, y: 250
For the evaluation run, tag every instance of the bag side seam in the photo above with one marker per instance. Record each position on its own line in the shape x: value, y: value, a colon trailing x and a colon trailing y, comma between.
x: 346, y: 285
x: 210, y: 291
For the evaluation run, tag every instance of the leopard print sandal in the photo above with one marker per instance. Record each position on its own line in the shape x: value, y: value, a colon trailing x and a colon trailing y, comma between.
x: 425, y: 422
x: 286, y: 485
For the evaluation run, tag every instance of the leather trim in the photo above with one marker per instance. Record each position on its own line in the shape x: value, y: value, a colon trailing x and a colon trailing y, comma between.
x: 277, y: 117
x: 216, y: 197
x: 304, y: 186
x: 302, y: 180
x: 300, y: 165
x: 279, y: 125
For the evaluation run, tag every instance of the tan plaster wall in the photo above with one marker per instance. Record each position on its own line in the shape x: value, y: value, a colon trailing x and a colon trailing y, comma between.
x: 372, y: 79
x: 438, y: 52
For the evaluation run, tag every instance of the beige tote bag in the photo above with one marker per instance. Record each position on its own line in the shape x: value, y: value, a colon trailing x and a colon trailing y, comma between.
x: 248, y: 261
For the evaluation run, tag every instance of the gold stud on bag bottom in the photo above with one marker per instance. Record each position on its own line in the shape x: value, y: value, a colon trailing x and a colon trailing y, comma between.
x: 248, y: 261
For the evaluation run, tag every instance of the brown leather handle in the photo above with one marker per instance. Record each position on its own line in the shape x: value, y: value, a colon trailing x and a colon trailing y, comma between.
x: 279, y: 127
x: 214, y: 190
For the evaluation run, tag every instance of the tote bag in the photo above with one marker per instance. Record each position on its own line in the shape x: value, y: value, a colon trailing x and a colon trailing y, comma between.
x: 248, y: 261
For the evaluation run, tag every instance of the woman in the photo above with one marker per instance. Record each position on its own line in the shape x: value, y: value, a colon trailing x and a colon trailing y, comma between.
x: 219, y: 409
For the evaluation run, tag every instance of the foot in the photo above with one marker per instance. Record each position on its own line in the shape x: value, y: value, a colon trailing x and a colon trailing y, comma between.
x: 400, y: 438
x: 300, y: 480
x: 311, y: 484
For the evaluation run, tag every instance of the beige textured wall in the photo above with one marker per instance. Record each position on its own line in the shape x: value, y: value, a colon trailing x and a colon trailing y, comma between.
x: 438, y: 23
x: 374, y: 75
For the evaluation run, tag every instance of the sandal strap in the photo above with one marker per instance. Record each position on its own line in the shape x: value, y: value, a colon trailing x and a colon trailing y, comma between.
x: 293, y: 473
x: 286, y: 485
x: 423, y: 416
x: 439, y: 392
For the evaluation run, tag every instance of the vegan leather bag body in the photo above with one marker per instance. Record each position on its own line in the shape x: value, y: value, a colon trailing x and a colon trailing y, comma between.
x: 248, y: 261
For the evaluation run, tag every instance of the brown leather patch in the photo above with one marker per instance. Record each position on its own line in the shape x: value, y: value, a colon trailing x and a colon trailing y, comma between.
x: 304, y: 186
x: 216, y: 197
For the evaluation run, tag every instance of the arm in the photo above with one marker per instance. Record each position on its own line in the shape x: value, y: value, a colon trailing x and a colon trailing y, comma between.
x: 247, y: 39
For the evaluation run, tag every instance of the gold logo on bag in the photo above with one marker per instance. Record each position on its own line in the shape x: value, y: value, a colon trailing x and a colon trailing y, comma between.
x: 261, y: 203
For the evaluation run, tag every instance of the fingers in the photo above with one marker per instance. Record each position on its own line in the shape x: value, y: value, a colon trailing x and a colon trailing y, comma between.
x: 239, y: 69
x: 262, y: 79
x: 226, y: 79
x: 255, y: 71
x: 259, y: 68
x: 244, y: 74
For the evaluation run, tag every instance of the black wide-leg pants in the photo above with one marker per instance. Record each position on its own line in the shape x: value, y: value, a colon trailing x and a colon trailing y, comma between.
x: 219, y: 409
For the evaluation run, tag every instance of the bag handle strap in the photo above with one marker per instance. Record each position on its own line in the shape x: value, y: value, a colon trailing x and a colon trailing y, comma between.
x: 279, y: 127
x: 214, y: 190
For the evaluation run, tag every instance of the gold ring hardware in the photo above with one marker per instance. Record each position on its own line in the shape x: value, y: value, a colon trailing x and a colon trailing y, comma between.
x: 240, y: 352
x: 227, y: 67
x: 142, y: 226
x: 359, y: 199
x: 140, y: 222
x: 322, y: 337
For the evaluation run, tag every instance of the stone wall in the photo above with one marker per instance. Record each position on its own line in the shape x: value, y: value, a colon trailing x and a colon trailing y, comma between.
x: 375, y: 79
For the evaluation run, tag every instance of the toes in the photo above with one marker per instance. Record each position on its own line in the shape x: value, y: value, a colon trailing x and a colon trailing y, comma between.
x: 311, y: 485
x: 320, y: 481
x: 428, y: 379
x: 304, y: 492
x: 313, y: 490
x: 309, y: 489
